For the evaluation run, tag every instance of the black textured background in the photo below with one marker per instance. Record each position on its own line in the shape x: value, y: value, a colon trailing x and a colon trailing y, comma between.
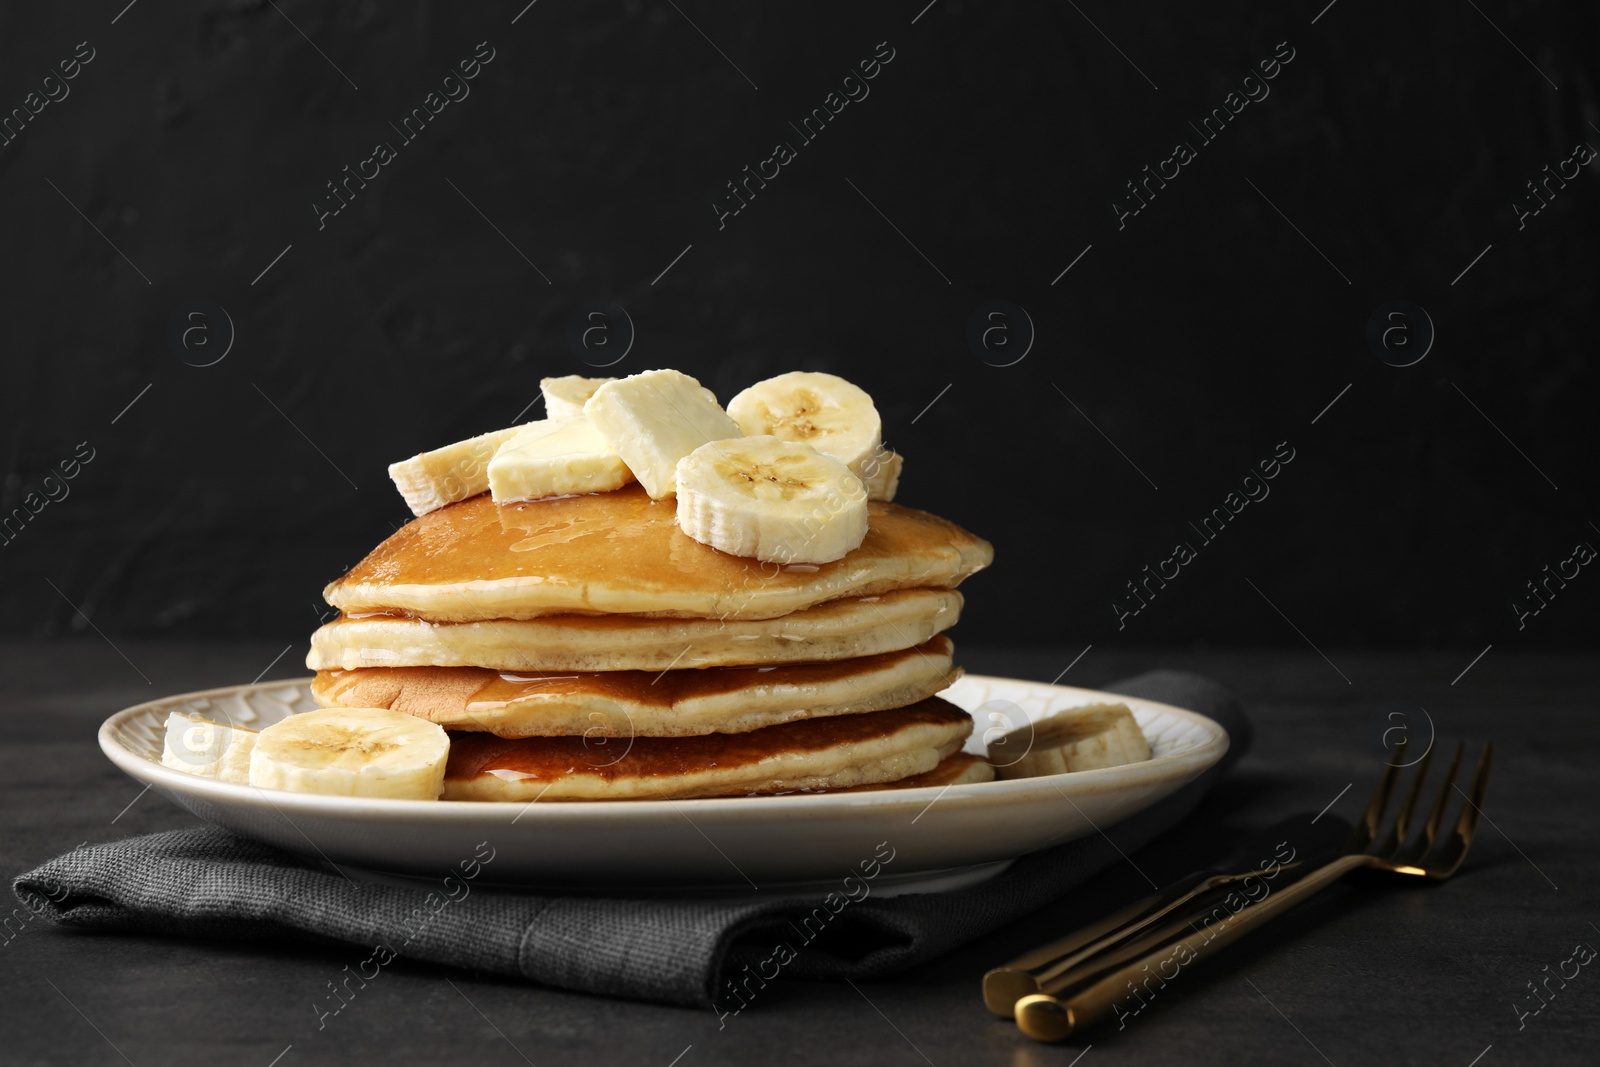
x: 1196, y: 339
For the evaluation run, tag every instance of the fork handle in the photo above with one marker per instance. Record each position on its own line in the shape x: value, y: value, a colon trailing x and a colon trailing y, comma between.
x: 1033, y: 973
x: 1005, y: 985
x: 1048, y: 1018
x: 1043, y: 969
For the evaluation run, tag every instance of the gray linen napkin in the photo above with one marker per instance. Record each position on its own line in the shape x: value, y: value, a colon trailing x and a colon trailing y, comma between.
x: 205, y: 882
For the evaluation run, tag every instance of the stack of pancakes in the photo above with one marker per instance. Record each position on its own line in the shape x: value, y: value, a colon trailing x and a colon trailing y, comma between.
x: 585, y: 648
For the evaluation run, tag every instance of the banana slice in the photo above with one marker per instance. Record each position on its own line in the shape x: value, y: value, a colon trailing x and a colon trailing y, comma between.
x: 824, y: 411
x: 881, y: 474
x: 555, y: 457
x: 1074, y: 739
x: 430, y: 480
x: 771, y: 499
x: 209, y: 749
x: 655, y: 419
x: 352, y: 752
x: 564, y: 397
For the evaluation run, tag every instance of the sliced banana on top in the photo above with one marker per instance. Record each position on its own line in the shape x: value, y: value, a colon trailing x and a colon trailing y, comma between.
x: 430, y: 480
x: 555, y: 457
x: 655, y: 419
x: 771, y: 499
x: 1074, y: 739
x: 209, y: 749
x: 881, y: 474
x: 824, y: 411
x: 352, y: 752
x: 564, y: 397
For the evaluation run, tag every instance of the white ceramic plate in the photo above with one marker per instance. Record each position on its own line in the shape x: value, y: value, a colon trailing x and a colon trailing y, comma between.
x: 938, y: 838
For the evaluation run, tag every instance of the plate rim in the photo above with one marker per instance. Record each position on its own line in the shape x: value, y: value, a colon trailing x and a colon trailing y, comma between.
x: 799, y: 805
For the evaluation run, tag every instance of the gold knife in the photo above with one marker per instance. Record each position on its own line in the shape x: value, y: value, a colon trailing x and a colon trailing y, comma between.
x: 1282, y: 848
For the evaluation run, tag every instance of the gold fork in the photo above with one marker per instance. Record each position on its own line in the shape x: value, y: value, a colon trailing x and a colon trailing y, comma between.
x: 1092, y: 990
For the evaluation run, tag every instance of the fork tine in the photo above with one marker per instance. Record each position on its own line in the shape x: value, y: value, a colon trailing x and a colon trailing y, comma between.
x: 1397, y: 837
x: 1444, y: 861
x: 1431, y: 830
x: 1468, y: 822
x: 1366, y: 831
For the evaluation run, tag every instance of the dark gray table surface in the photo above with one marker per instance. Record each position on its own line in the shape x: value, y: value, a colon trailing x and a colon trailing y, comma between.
x: 1413, y: 974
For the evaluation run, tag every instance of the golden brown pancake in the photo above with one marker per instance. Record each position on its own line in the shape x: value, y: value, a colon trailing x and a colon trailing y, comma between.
x: 837, y: 629
x: 676, y: 703
x: 621, y: 552
x: 959, y: 768
x: 962, y: 768
x: 827, y: 753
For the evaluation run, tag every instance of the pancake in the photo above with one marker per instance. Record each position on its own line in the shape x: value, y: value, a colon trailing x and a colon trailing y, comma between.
x: 962, y: 768
x: 959, y: 768
x: 828, y: 753
x: 622, y: 553
x: 677, y: 703
x: 838, y: 629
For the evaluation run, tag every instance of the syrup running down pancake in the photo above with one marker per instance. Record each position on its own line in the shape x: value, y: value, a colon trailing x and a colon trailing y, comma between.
x: 674, y: 703
x: 828, y: 753
x: 622, y: 553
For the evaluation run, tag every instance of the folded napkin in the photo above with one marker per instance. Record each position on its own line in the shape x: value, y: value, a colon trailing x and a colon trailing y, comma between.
x: 205, y: 882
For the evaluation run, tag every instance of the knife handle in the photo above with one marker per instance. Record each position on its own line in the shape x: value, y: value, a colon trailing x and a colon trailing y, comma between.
x: 1029, y: 973
x: 1048, y: 1018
